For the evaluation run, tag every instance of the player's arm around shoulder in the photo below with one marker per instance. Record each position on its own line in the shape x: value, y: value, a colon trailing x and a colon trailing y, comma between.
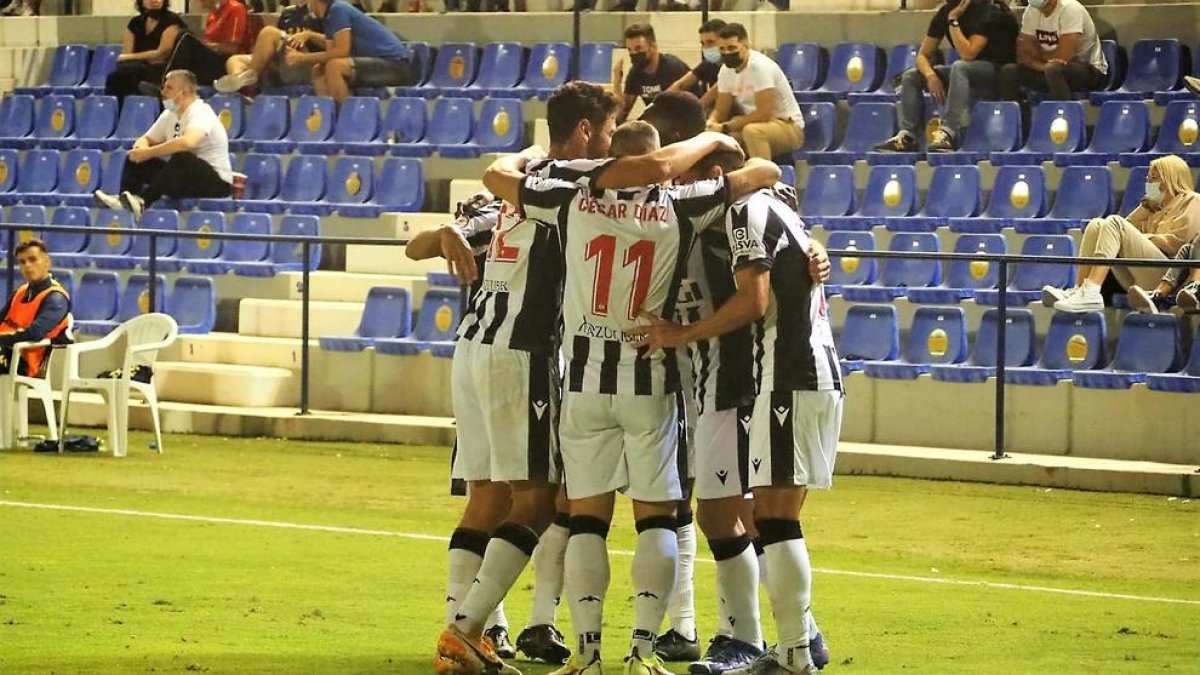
x: 756, y: 174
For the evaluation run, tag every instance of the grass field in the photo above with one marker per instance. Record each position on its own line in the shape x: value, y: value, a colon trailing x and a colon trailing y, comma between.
x: 101, y: 591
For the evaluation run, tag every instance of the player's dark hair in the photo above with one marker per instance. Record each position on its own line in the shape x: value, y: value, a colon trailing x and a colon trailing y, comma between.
x: 728, y: 160
x: 734, y: 30
x: 678, y: 116
x: 638, y: 30
x: 28, y: 244
x: 712, y: 26
x: 574, y: 102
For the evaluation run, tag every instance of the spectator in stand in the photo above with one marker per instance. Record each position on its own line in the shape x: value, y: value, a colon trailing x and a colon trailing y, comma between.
x: 146, y: 46
x: 984, y: 33
x: 1187, y: 297
x: 22, y: 8
x: 1158, y: 228
x: 184, y: 154
x: 37, y: 310
x: 702, y: 80
x: 767, y: 120
x: 226, y: 32
x: 651, y: 71
x: 297, y: 28
x: 1058, y: 51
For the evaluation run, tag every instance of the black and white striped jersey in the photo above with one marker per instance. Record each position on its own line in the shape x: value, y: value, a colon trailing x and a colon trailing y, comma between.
x: 625, y: 253
x: 793, y: 348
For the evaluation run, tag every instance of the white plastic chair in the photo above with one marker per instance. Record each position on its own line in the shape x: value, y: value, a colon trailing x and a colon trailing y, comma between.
x: 144, y: 335
x: 15, y: 390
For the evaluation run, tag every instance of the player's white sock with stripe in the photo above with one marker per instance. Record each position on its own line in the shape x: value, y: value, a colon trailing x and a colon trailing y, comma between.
x: 507, y: 554
x: 737, y: 586
x: 548, y: 571
x: 762, y: 560
x: 682, y: 607
x: 467, y: 547
x: 654, y: 564
x: 812, y: 626
x: 586, y: 574
x: 790, y: 589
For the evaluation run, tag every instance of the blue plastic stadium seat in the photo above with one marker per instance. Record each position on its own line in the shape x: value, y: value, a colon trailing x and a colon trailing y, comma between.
x: 870, y: 333
x: 357, y: 126
x: 67, y: 248
x: 193, y: 305
x: 267, y: 121
x: 97, y: 122
x: 134, y: 301
x: 595, y: 61
x: 964, y: 277
x: 848, y: 269
x: 501, y: 128
x: 1073, y: 342
x: 65, y: 278
x: 80, y: 176
x: 898, y: 275
x: 1018, y: 193
x: 423, y: 56
x: 1057, y: 126
x: 288, y: 257
x: 350, y: 183
x: 200, y: 255
x: 1122, y: 127
x: 803, y: 63
x: 104, y: 61
x: 870, y: 124
x: 1118, y: 63
x: 401, y: 185
x: 899, y: 59
x: 453, y: 69
x: 820, y: 127
x: 995, y: 126
x: 386, y: 314
x: 263, y: 177
x: 164, y: 247
x: 110, y: 177
x: 1154, y: 65
x: 1028, y: 279
x: 549, y: 65
x: 33, y: 216
x: 96, y: 299
x: 787, y: 174
x: 938, y: 336
x: 451, y: 123
x: 1019, y: 348
x: 9, y: 169
x: 1178, y: 135
x: 16, y: 121
x: 304, y: 185
x: 405, y: 121
x: 137, y: 115
x: 437, y: 322
x: 500, y: 68
x: 256, y: 253
x: 1186, y: 380
x: 1084, y: 192
x: 891, y: 192
x: 37, y: 178
x: 442, y: 279
x: 55, y: 117
x: 1149, y: 343
x: 231, y: 111
x: 954, y: 192
x: 67, y: 71
x: 312, y: 122
x: 853, y: 67
x: 1135, y: 189
x: 112, y: 250
x: 829, y: 192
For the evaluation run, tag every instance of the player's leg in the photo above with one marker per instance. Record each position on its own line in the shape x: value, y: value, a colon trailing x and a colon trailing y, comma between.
x: 541, y: 639
x: 681, y: 643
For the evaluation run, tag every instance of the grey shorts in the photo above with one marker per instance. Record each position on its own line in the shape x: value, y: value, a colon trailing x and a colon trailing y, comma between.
x: 370, y: 71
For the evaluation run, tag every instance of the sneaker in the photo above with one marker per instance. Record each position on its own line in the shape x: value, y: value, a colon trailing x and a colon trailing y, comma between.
x: 635, y: 664
x: 768, y: 664
x: 134, y: 203
x: 1147, y: 302
x: 818, y: 650
x: 1188, y: 297
x: 725, y: 653
x: 106, y: 200
x: 901, y: 142
x: 1192, y: 84
x: 231, y: 83
x: 1052, y: 294
x: 1080, y: 301
x: 577, y: 667
x: 498, y: 636
x: 543, y: 643
x: 458, y: 654
x: 673, y: 646
x: 943, y: 141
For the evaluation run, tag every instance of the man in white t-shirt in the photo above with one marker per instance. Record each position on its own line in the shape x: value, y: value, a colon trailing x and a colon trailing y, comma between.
x: 1057, y: 51
x: 768, y: 121
x: 184, y: 154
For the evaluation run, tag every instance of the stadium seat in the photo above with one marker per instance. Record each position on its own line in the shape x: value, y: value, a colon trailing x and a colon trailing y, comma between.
x: 65, y: 278
x: 262, y: 187
x: 16, y: 121
x: 267, y: 121
x: 500, y: 68
x: 848, y: 269
x: 954, y: 192
x: 899, y: 59
x: 110, y: 176
x: 193, y: 305
x: 386, y: 314
x: 164, y: 246
x: 55, y: 118
x: 67, y: 71
x: 787, y: 174
x: 357, y: 126
x: 451, y: 123
x: 938, y: 336
x: 995, y: 126
x: 80, y: 176
x: 287, y: 256
x: 549, y: 65
x: 111, y: 250
x: 595, y: 61
x: 103, y: 62
x: 1020, y: 343
x: 67, y: 248
x: 231, y: 110
x: 1084, y: 192
x: 1122, y: 127
x: 1186, y: 380
x: 437, y: 322
x: 312, y: 122
x: 1018, y: 193
x: 37, y: 178
x: 1149, y: 343
x: 453, y: 69
x: 304, y: 185
x: 1057, y: 126
x: 853, y: 67
x: 964, y: 277
x: 238, y: 251
x: 405, y: 121
x: 350, y: 182
x: 202, y: 250
x: 1178, y: 135
x: 898, y: 275
x: 400, y: 185
x: 423, y: 54
x: 33, y: 216
x: 870, y: 333
x: 96, y: 299
x: 891, y: 192
x: 135, y: 300
x: 1118, y: 63
x: 501, y: 128
x: 870, y: 124
x: 803, y: 63
x: 828, y: 192
x: 1028, y: 279
x: 97, y: 122
x: 9, y: 164
x: 1154, y: 65
x: 137, y: 115
x: 820, y: 126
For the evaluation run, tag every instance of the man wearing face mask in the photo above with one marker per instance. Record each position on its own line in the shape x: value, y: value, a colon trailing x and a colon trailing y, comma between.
x: 704, y: 75
x: 1058, y: 51
x: 184, y: 154
x: 651, y: 71
x: 770, y: 122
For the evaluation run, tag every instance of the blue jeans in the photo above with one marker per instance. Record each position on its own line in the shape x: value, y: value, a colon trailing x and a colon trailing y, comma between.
x: 966, y: 81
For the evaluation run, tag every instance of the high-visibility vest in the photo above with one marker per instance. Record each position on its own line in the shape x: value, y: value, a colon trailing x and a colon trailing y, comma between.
x: 21, y: 314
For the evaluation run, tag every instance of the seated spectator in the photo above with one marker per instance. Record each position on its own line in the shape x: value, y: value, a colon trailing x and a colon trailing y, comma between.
x: 37, y: 310
x: 1058, y: 51
x: 146, y: 46
x: 1187, y: 297
x: 184, y: 154
x: 984, y: 33
x: 1167, y: 218
x: 298, y: 28
x: 767, y: 120
x: 22, y: 8
x: 650, y: 72
x: 226, y: 32
x: 702, y: 80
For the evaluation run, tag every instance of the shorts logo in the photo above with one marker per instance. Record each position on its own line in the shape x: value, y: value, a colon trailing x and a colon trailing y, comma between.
x: 539, y: 408
x: 757, y: 463
x: 781, y: 414
x: 722, y: 475
x: 746, y: 424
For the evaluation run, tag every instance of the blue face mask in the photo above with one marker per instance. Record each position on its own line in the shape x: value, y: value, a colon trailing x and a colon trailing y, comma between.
x: 1038, y: 4
x: 711, y: 54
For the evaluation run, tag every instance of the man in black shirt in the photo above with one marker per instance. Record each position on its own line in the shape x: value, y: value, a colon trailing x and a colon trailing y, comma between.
x: 702, y: 80
x: 651, y: 71
x: 984, y: 33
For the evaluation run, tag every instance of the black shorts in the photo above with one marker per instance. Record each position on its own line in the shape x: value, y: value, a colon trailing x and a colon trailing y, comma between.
x: 370, y: 71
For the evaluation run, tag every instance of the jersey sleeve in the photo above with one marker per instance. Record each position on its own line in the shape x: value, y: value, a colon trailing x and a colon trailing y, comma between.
x: 546, y: 199
x: 747, y: 232
x: 701, y: 203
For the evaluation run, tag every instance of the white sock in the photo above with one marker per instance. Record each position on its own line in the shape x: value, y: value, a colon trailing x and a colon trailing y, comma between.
x: 737, y: 586
x: 466, y: 555
x: 762, y: 562
x: 654, y: 566
x: 1090, y: 286
x: 548, y: 574
x: 682, y: 606
x: 586, y: 574
x: 790, y: 589
x: 507, y: 554
x: 812, y: 626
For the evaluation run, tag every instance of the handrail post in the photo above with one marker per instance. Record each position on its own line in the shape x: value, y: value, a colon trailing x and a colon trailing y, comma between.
x: 704, y: 11
x: 576, y: 39
x: 1001, y: 357
x: 11, y: 271
x: 305, y: 254
x: 151, y: 268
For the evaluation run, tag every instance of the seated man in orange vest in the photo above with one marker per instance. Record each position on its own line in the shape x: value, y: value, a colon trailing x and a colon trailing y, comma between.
x: 37, y: 310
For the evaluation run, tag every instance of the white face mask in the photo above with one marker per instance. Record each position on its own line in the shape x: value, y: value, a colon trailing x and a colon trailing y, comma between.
x: 711, y: 54
x: 1037, y: 4
x: 1154, y: 193
x: 170, y: 105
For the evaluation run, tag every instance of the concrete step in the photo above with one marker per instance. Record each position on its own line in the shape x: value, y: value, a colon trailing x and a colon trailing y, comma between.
x: 350, y: 286
x: 224, y: 384
x: 281, y: 318
x: 389, y: 260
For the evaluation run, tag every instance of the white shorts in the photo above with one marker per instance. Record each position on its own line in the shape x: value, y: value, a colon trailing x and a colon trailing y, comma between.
x: 723, y: 452
x: 793, y: 438
x: 506, y: 409
x: 621, y: 443
x: 688, y: 416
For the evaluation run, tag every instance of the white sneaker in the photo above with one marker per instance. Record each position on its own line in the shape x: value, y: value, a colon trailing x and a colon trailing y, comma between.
x: 1081, y: 300
x: 134, y: 203
x: 106, y: 200
x: 1053, y: 294
x: 1192, y: 84
x: 231, y: 83
x: 1143, y: 300
x: 1186, y: 299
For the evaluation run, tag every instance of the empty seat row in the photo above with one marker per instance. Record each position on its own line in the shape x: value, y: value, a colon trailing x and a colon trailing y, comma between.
x: 58, y: 124
x: 386, y: 324
x: 500, y: 69
x: 77, y: 70
x: 99, y: 304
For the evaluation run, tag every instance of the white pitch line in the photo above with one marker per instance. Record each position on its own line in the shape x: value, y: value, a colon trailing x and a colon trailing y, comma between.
x: 284, y: 525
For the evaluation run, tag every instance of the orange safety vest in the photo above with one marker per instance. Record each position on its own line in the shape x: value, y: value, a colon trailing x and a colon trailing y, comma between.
x: 21, y: 314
